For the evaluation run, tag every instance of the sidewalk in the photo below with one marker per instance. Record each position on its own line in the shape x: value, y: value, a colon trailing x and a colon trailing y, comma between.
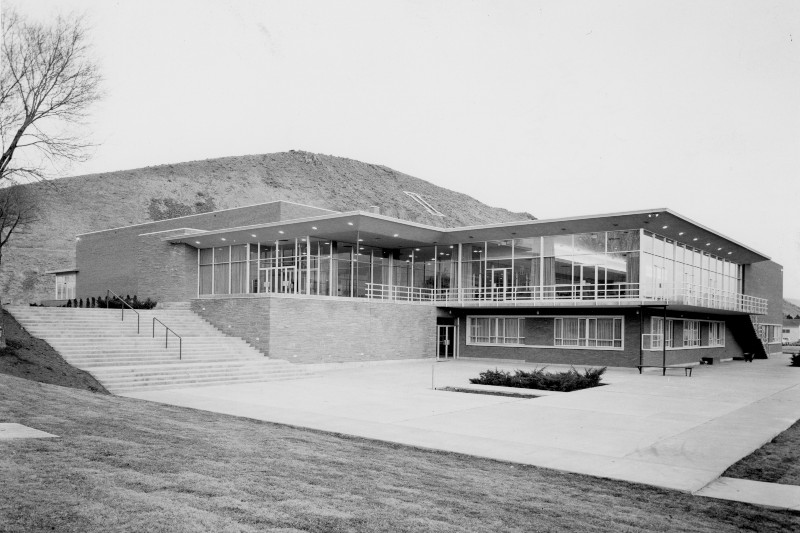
x: 674, y: 432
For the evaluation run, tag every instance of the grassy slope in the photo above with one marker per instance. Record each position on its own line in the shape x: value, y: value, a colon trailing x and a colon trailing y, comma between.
x: 777, y: 461
x: 129, y: 465
x: 72, y: 206
x: 790, y: 309
x: 31, y: 358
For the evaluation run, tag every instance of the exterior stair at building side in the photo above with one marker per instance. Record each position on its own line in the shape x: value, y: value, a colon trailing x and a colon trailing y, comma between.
x: 99, y: 342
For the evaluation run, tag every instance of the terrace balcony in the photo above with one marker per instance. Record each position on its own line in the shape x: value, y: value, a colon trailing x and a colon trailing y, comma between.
x: 585, y: 295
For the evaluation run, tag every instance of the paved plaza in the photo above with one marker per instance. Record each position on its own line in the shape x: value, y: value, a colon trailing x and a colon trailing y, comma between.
x: 675, y: 432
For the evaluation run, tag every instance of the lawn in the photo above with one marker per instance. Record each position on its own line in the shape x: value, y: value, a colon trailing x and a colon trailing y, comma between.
x: 778, y: 461
x: 128, y: 465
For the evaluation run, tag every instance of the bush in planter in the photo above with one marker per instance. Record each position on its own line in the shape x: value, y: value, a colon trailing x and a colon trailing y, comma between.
x: 537, y: 378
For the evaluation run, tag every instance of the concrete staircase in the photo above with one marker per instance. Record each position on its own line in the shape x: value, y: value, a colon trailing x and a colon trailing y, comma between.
x: 101, y: 343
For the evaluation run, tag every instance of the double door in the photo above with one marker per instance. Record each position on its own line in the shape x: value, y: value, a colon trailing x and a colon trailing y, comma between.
x: 446, y: 342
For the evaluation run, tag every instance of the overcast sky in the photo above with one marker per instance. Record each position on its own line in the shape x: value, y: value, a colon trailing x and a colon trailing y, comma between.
x: 557, y: 108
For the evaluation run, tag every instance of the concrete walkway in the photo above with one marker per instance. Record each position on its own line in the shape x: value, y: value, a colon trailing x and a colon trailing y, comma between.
x: 674, y: 432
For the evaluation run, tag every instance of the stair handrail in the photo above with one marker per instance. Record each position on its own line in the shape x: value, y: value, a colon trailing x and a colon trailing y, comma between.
x: 124, y: 303
x: 167, y: 331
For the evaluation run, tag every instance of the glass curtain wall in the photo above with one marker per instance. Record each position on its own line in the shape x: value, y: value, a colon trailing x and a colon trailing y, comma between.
x: 673, y: 268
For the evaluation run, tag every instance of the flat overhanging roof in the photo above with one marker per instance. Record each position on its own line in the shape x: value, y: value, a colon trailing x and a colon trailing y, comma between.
x: 387, y: 232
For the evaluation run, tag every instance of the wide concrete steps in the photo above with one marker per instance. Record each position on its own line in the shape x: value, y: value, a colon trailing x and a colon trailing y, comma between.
x: 100, y: 342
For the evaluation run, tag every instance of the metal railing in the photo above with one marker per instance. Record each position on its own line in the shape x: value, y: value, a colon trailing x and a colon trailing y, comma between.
x: 124, y: 304
x: 167, y: 331
x: 577, y: 294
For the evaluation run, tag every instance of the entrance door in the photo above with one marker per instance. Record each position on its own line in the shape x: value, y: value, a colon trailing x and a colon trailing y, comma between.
x: 445, y: 347
x: 500, y: 280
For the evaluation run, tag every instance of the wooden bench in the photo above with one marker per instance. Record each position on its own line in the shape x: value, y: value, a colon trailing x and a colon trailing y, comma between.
x: 687, y: 367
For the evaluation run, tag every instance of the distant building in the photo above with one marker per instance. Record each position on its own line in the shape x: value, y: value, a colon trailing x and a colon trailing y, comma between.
x: 791, y: 330
x: 313, y: 285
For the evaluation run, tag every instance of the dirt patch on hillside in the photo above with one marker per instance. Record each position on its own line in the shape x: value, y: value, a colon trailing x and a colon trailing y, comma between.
x: 30, y: 358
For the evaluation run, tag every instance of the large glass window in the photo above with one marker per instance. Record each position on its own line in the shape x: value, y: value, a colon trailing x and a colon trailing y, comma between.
x: 691, y: 333
x: 588, y: 332
x: 657, y: 329
x: 239, y: 269
x: 495, y: 330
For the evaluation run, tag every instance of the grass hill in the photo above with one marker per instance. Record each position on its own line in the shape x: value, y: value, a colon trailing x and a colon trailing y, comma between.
x: 790, y: 308
x: 71, y: 206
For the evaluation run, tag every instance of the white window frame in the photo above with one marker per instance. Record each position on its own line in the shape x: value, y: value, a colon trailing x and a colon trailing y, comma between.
x: 584, y: 340
x: 498, y: 331
x: 691, y: 333
x: 716, y: 334
x: 656, y: 330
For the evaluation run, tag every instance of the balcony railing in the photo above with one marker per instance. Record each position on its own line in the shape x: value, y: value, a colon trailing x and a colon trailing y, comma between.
x: 583, y: 294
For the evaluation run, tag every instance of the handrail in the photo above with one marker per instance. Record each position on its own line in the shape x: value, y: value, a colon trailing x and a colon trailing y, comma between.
x: 124, y: 303
x: 167, y: 331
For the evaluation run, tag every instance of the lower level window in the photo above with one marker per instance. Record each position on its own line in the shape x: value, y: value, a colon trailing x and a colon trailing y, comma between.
x: 691, y: 333
x: 495, y: 330
x: 589, y: 332
x: 716, y: 333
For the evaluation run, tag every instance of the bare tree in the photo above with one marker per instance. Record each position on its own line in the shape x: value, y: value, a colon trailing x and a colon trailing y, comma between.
x: 48, y: 82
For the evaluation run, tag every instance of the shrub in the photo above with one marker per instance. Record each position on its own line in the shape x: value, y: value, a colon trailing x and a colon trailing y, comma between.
x: 537, y: 378
x: 795, y: 359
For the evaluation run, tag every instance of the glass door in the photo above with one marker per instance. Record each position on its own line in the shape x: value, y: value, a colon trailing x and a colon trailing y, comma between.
x: 499, y: 283
x: 445, y: 347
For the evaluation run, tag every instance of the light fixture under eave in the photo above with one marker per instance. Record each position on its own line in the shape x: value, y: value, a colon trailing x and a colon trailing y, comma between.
x: 718, y: 249
x: 223, y: 239
x: 396, y: 235
x: 253, y: 235
x: 729, y: 253
x: 313, y: 227
x: 280, y: 231
x: 349, y: 223
x: 197, y: 242
x: 694, y: 239
x: 681, y: 232
x: 664, y: 227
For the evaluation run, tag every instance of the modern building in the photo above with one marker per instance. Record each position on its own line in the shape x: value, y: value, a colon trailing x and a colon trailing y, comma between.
x: 313, y: 285
x: 791, y: 330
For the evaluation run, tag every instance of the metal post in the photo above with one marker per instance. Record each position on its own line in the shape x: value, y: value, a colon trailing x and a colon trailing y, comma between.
x: 664, y: 339
x: 433, y: 372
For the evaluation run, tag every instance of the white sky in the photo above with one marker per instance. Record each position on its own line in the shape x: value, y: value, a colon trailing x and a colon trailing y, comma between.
x: 558, y: 108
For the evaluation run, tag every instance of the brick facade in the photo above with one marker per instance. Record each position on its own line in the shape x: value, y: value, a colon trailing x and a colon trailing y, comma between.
x: 539, y: 336
x: 325, y: 330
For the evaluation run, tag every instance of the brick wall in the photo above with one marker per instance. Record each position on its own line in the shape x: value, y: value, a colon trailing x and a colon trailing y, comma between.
x: 765, y: 280
x: 539, y: 331
x: 317, y: 330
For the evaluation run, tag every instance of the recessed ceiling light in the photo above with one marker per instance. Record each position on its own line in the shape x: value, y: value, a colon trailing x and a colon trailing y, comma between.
x: 197, y: 242
x: 417, y: 249
x: 396, y: 235
x: 451, y: 247
x: 253, y: 235
x: 349, y: 223
x: 718, y: 249
x: 361, y: 248
x: 313, y: 227
x: 681, y: 233
x: 360, y: 240
x: 280, y: 231
x: 694, y: 239
x: 708, y: 244
x: 664, y: 227
x: 729, y: 253
x: 223, y: 239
